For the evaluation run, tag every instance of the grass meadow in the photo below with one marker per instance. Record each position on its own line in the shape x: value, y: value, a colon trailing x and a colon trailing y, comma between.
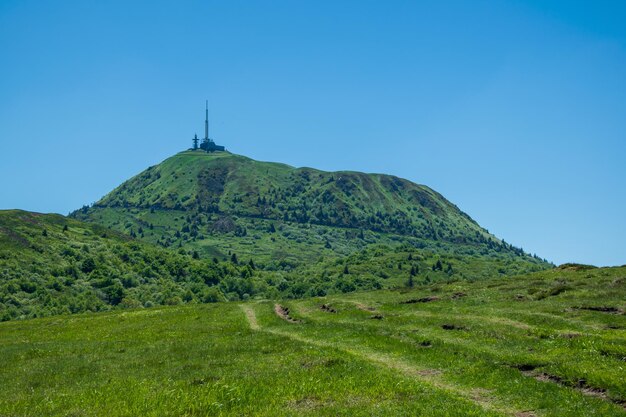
x: 552, y: 343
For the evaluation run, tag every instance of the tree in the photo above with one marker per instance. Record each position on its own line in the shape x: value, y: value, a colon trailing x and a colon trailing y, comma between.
x: 114, y: 293
x: 211, y: 295
x: 437, y: 266
x: 410, y: 282
x: 88, y: 265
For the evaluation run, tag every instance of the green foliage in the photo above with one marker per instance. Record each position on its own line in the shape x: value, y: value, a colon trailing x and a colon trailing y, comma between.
x: 82, y: 267
x: 76, y: 267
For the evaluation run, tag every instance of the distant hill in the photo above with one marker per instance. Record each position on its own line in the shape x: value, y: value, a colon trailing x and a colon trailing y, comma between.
x: 296, y: 219
x: 233, y: 185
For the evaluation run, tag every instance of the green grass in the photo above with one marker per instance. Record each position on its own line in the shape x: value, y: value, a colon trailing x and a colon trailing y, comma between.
x: 458, y: 354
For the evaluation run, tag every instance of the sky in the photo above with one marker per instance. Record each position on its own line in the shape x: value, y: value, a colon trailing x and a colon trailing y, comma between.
x: 514, y: 110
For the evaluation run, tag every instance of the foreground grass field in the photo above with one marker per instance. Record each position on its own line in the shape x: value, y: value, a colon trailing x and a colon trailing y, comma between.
x: 546, y: 344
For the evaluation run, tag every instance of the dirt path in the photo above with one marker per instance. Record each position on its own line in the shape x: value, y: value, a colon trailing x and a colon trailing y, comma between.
x: 427, y: 376
x: 247, y: 309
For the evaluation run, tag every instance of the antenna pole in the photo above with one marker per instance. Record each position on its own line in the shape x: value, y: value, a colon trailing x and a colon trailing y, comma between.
x: 206, y: 122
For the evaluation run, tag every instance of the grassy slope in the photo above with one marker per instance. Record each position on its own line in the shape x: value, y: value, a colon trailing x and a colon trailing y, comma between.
x: 235, y: 183
x: 50, y: 264
x: 219, y: 204
x: 532, y: 346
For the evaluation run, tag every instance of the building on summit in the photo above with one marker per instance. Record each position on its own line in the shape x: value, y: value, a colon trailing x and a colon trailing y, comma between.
x: 207, y: 144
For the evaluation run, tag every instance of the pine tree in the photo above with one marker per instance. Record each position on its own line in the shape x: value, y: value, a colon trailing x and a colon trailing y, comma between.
x: 410, y: 283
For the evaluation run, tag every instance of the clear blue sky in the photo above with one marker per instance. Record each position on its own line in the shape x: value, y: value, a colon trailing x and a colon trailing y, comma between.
x: 513, y: 110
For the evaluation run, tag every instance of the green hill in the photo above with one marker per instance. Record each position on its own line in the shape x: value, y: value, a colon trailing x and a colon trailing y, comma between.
x: 50, y: 264
x: 205, y: 227
x: 551, y: 343
x: 297, y: 220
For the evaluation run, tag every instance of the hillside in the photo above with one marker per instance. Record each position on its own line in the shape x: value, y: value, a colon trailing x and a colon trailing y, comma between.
x: 288, y: 219
x: 551, y: 343
x: 50, y: 264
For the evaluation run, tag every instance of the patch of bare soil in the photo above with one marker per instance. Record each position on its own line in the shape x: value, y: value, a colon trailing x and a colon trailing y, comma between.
x: 306, y: 403
x: 421, y: 300
x: 428, y: 372
x: 580, y: 386
x: 327, y: 308
x: 602, y: 309
x: 570, y: 335
x: 452, y: 327
x: 283, y: 313
x: 525, y: 367
x: 525, y: 414
x: 363, y: 307
x: 481, y: 394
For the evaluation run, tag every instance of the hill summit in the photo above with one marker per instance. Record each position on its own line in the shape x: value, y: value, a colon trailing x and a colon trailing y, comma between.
x: 221, y: 204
